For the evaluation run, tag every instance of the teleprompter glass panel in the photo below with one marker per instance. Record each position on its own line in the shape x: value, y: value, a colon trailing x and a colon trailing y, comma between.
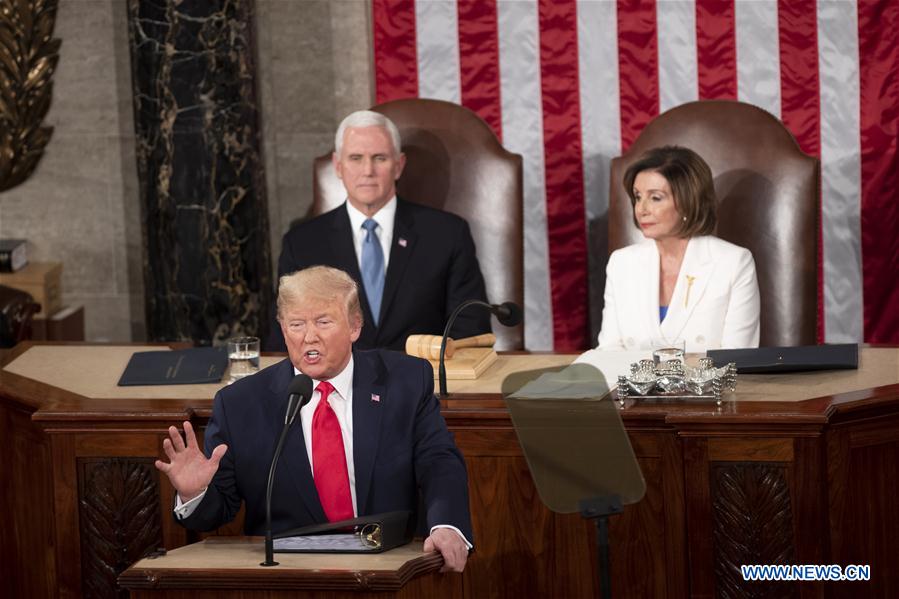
x: 572, y: 436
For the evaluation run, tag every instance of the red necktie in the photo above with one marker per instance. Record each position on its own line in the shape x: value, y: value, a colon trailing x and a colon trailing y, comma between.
x: 329, y: 460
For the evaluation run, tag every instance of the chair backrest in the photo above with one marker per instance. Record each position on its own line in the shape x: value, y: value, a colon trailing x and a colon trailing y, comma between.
x: 17, y: 310
x: 768, y: 192
x: 455, y: 162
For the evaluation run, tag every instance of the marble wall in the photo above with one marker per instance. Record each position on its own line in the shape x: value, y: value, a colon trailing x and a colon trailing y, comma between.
x: 81, y: 206
x: 207, y: 265
x: 315, y: 67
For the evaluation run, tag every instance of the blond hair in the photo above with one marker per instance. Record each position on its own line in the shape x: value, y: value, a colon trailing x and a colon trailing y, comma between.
x: 322, y: 283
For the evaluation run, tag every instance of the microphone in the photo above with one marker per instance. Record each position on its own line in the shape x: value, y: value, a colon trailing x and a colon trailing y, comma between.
x: 507, y: 313
x: 299, y: 393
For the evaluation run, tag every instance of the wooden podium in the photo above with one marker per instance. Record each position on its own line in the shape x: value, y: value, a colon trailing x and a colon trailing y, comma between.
x: 796, y: 468
x: 226, y: 567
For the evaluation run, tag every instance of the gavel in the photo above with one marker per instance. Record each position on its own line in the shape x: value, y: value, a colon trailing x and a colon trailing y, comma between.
x: 428, y: 346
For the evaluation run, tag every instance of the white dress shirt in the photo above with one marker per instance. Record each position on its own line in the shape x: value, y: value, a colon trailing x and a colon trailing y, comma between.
x: 384, y: 217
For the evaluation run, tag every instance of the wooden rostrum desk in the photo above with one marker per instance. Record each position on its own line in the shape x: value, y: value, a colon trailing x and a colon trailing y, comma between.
x: 228, y: 567
x: 801, y: 468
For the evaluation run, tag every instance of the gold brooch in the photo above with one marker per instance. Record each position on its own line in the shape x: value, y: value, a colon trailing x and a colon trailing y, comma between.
x: 689, y: 285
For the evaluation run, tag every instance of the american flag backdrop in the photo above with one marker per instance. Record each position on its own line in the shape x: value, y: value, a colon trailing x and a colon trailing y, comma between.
x: 569, y: 85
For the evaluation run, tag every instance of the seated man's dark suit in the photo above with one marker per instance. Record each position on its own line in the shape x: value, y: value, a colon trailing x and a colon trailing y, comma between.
x: 432, y: 269
x: 400, y: 444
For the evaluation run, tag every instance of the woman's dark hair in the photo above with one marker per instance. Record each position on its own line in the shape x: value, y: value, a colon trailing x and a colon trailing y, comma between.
x: 690, y: 179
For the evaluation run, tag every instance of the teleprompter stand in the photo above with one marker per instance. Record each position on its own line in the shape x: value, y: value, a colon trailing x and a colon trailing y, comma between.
x: 576, y: 448
x: 599, y: 509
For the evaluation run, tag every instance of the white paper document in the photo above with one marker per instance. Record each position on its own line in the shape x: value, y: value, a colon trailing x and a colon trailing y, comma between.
x: 612, y: 363
x: 333, y: 542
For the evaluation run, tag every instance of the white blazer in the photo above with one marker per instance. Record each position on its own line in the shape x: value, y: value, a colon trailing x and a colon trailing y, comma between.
x: 718, y: 309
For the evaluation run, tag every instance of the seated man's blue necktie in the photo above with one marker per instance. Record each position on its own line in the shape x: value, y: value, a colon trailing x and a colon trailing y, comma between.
x: 372, y: 268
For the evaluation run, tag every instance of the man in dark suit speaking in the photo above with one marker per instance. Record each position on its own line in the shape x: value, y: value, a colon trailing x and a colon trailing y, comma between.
x: 414, y: 264
x: 371, y: 438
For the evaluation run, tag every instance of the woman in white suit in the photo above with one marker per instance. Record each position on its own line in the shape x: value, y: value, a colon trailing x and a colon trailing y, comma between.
x: 681, y: 283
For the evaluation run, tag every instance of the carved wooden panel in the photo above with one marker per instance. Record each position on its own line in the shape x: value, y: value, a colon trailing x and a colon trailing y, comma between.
x: 639, y: 568
x: 511, y: 528
x: 752, y: 524
x: 120, y: 520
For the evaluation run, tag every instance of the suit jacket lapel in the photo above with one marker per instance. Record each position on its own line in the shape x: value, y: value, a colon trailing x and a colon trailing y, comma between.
x: 344, y: 256
x: 692, y: 280
x: 294, y: 459
x: 647, y: 300
x: 342, y: 249
x: 401, y: 249
x: 369, y: 395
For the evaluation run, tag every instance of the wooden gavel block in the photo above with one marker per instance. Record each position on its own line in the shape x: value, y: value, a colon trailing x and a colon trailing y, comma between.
x: 428, y: 346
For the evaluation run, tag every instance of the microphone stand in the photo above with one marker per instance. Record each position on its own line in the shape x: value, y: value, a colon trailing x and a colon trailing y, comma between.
x: 269, y: 542
x: 295, y: 403
x: 441, y: 367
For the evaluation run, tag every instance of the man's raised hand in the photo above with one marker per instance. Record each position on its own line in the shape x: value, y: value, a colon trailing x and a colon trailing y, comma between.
x: 189, y: 470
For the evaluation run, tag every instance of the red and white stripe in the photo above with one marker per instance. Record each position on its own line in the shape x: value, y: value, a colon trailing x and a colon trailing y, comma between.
x: 570, y: 85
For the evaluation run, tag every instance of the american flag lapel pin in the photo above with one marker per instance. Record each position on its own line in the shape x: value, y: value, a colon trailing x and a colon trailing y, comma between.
x: 402, y: 241
x: 375, y: 397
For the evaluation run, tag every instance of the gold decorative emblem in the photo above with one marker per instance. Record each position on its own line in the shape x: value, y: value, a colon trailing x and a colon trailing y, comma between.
x: 689, y: 286
x: 371, y: 535
x: 28, y: 57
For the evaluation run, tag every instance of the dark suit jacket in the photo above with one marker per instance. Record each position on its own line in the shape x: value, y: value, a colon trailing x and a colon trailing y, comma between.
x: 400, y: 445
x: 432, y: 269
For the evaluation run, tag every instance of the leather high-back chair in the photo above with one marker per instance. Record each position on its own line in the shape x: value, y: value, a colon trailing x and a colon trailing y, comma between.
x: 17, y: 310
x: 454, y: 162
x: 767, y: 191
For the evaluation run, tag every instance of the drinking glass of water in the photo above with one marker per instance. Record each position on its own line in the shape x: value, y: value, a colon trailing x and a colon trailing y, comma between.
x: 667, y: 349
x: 243, y: 355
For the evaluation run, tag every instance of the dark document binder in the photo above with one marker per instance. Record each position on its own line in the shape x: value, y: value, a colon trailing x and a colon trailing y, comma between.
x: 366, y: 534
x: 789, y: 359
x: 180, y: 367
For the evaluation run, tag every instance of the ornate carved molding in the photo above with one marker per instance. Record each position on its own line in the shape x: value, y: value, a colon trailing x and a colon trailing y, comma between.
x: 120, y: 519
x: 753, y: 524
x: 28, y: 57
